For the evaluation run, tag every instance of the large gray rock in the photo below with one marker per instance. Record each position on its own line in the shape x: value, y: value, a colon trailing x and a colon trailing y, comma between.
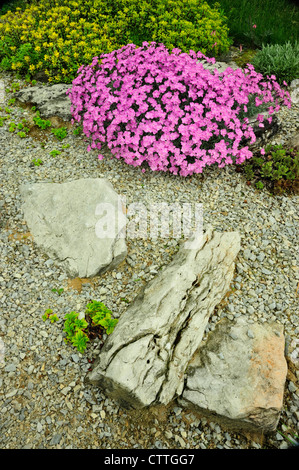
x: 143, y: 362
x: 51, y: 100
x: 237, y: 376
x: 63, y: 219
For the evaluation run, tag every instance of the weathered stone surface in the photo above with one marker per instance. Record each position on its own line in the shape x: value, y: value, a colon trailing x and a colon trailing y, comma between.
x: 62, y: 219
x: 238, y: 375
x: 263, y: 134
x: 143, y: 362
x: 220, y: 66
x: 50, y: 100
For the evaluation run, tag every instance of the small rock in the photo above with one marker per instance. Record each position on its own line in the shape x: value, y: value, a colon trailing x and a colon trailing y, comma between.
x: 250, y: 334
x: 55, y: 439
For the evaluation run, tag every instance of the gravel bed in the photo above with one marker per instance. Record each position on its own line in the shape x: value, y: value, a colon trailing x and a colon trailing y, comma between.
x: 44, y: 400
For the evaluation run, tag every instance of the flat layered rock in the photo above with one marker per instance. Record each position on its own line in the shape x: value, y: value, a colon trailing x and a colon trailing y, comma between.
x: 237, y: 376
x: 64, y: 219
x: 143, y: 362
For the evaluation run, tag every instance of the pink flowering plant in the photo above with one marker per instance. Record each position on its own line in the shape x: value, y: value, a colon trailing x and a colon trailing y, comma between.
x: 149, y: 105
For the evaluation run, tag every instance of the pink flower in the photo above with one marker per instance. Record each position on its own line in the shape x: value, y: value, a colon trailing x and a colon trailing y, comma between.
x: 167, y: 110
x: 263, y: 151
x: 254, y: 26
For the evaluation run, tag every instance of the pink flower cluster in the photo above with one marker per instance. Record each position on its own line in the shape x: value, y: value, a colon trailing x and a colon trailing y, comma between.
x: 164, y: 108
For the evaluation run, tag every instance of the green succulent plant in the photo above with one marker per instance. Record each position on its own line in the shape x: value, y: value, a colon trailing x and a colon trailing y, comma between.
x: 277, y: 169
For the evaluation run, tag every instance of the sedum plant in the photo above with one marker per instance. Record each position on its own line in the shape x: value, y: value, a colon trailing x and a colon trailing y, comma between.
x: 50, y: 315
x: 276, y: 167
x: 149, y: 105
x: 36, y: 162
x: 78, y: 331
x: 41, y: 123
x: 100, y: 315
x: 279, y: 60
x: 74, y: 327
x: 60, y: 133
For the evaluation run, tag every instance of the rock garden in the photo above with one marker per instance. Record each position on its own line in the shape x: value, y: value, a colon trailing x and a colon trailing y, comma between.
x: 149, y: 277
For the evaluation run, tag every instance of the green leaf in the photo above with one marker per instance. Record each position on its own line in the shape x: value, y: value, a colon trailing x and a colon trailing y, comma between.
x: 79, y: 341
x: 108, y: 324
x: 54, y: 318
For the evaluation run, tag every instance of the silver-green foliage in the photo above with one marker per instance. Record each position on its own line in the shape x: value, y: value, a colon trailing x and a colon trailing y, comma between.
x: 279, y: 60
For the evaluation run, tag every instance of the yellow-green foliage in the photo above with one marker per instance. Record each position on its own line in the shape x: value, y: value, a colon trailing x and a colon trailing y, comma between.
x: 58, y: 36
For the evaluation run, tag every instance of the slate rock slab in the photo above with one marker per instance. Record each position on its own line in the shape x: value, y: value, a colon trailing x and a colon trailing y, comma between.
x: 237, y: 376
x: 63, y: 220
x: 143, y: 362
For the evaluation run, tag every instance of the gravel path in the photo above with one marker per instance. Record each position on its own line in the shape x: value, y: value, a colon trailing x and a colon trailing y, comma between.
x: 44, y: 402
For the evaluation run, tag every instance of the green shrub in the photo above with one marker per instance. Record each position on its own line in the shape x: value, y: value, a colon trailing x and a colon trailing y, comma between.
x: 186, y: 24
x: 58, y: 36
x: 279, y: 60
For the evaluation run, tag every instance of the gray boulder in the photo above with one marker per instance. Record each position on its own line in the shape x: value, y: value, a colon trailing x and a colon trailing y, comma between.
x: 143, y: 362
x: 219, y: 65
x: 237, y: 376
x: 51, y: 100
x: 64, y: 219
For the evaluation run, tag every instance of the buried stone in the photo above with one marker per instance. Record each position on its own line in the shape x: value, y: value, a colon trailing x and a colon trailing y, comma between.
x: 144, y: 361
